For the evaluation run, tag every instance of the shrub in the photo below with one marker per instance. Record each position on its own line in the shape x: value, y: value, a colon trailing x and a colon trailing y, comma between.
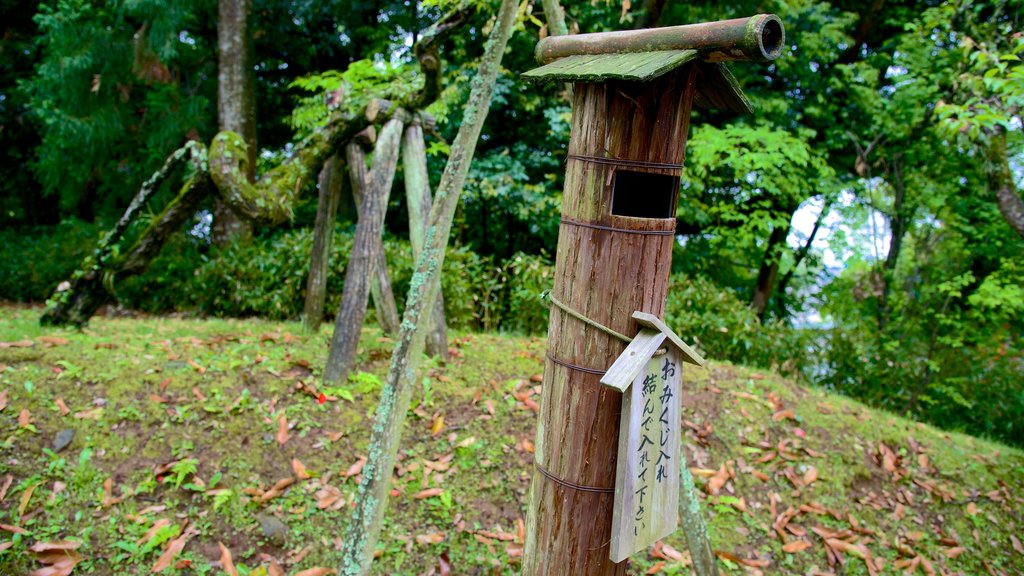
x: 34, y: 260
x: 724, y: 327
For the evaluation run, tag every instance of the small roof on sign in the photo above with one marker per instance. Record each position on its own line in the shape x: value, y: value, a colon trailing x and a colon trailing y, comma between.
x: 634, y: 358
x: 638, y: 66
x: 716, y: 87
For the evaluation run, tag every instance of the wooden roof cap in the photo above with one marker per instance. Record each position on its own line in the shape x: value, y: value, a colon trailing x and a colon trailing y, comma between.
x: 756, y: 38
x: 634, y: 358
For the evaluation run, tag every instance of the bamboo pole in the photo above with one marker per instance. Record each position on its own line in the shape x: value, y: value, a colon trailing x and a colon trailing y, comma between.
x: 366, y: 244
x: 363, y: 527
x: 758, y: 38
x: 330, y: 183
x: 417, y: 193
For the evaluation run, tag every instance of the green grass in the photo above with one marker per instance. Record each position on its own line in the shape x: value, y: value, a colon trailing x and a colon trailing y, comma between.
x: 204, y: 399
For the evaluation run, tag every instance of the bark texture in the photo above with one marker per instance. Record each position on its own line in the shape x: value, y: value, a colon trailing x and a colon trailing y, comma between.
x: 1001, y: 180
x: 606, y: 267
x: 330, y: 183
x: 381, y: 294
x: 366, y: 247
x: 363, y: 527
x: 555, y: 16
x: 93, y: 283
x: 417, y: 194
x: 769, y: 270
x: 236, y: 103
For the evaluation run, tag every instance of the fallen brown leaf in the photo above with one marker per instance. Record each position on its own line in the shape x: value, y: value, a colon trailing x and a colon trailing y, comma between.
x: 108, y: 494
x: 26, y: 497
x: 438, y: 426
x: 59, y: 558
x: 428, y: 493
x: 811, y: 475
x: 282, y: 429
x: 7, y: 484
x: 24, y: 418
x: 172, y: 549
x: 3, y: 400
x: 355, y: 468
x: 796, y: 546
x: 299, y: 469
x: 64, y: 411
x: 227, y: 563
x: 431, y: 538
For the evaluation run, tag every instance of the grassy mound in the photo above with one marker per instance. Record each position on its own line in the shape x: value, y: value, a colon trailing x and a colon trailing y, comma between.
x: 149, y: 443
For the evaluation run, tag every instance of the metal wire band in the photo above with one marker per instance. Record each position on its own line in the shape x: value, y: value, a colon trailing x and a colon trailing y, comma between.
x: 625, y: 162
x: 568, y: 484
x: 574, y: 222
x: 572, y: 366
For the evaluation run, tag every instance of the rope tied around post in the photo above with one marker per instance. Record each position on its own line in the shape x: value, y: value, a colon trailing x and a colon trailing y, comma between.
x: 547, y: 296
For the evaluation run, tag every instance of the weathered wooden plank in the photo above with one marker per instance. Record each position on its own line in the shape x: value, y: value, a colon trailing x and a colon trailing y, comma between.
x: 646, y: 478
x: 633, y: 359
x: 640, y: 67
x: 654, y: 323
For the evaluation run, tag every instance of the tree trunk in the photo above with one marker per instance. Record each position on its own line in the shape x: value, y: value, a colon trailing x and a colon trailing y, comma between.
x: 381, y: 294
x: 93, y: 283
x: 607, y: 266
x: 363, y: 527
x: 331, y: 181
x: 799, y: 257
x: 1000, y: 179
x: 236, y: 103
x: 417, y: 193
x: 899, y: 221
x: 365, y: 249
x: 769, y: 270
x: 555, y: 16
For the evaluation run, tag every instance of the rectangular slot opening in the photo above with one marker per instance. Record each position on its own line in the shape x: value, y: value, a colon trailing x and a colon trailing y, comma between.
x: 644, y: 195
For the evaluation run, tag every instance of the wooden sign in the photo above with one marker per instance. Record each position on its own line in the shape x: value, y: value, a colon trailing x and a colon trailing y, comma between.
x: 649, y: 373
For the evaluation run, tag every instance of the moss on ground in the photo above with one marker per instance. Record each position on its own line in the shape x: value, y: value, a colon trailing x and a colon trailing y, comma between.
x: 183, y: 418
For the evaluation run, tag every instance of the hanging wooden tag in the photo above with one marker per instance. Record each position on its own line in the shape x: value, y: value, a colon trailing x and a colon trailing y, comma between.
x: 647, y: 471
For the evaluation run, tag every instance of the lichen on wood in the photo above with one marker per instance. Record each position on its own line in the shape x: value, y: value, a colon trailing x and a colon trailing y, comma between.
x: 363, y: 528
x: 92, y: 284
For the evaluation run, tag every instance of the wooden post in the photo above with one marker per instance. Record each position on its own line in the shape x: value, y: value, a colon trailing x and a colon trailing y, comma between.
x: 569, y: 524
x: 632, y: 97
x: 363, y: 526
x: 417, y: 194
x: 330, y: 183
x: 352, y: 311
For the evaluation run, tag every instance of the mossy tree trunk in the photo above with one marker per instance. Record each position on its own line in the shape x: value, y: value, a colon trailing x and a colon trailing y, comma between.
x: 366, y: 246
x: 93, y: 283
x: 236, y: 103
x: 363, y: 527
x: 330, y: 183
x: 417, y: 194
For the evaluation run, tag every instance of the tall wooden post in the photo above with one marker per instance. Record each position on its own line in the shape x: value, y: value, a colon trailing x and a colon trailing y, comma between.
x: 607, y: 266
x: 632, y: 97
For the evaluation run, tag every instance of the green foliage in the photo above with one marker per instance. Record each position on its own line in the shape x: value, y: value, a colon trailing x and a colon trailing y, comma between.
x: 350, y: 91
x: 34, y: 261
x: 723, y: 327
x: 116, y: 90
